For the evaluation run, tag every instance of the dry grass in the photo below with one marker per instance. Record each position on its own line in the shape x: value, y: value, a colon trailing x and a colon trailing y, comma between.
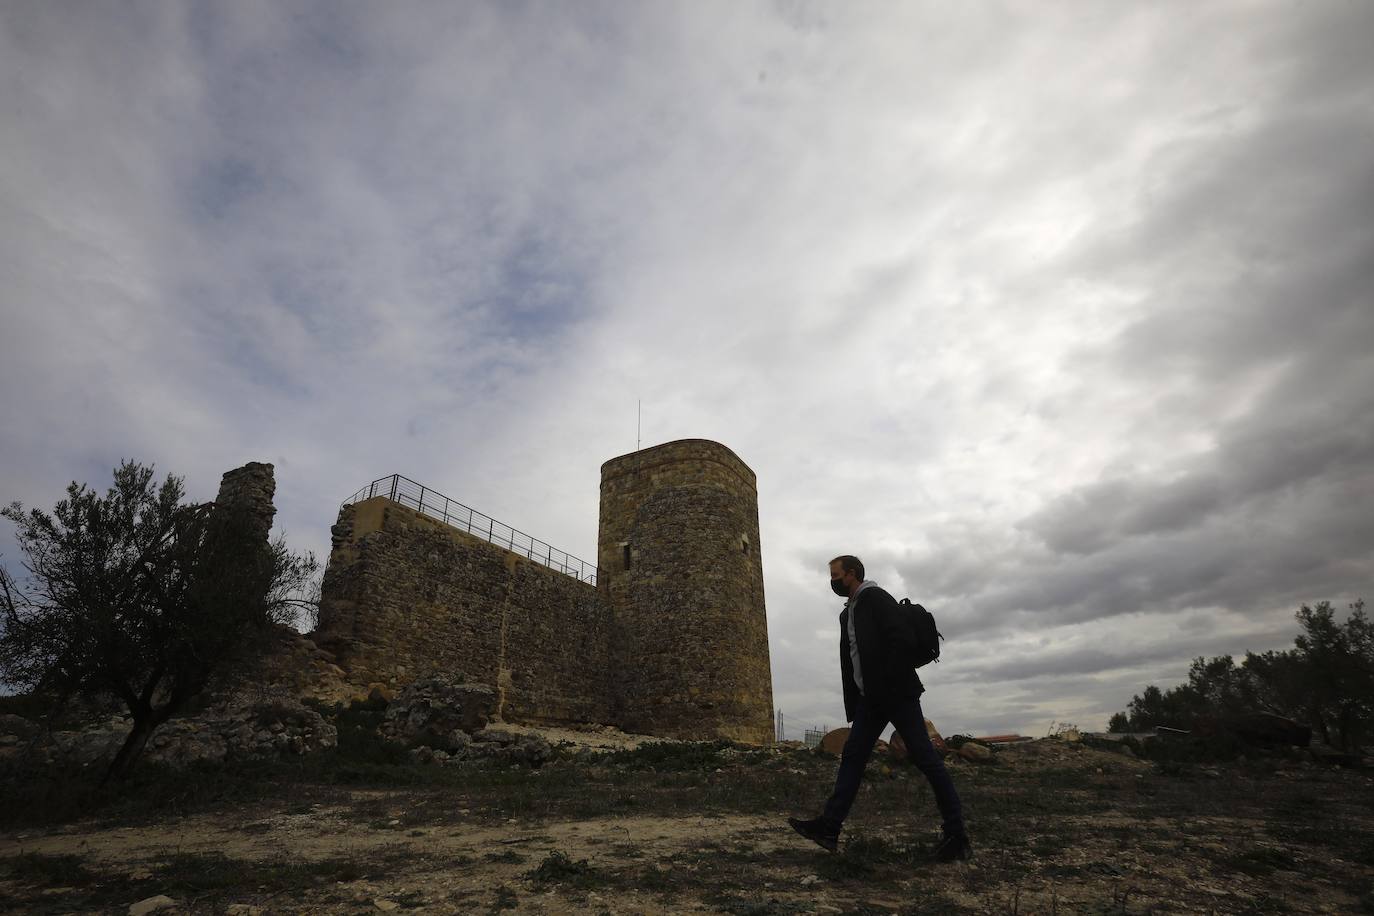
x: 1057, y: 827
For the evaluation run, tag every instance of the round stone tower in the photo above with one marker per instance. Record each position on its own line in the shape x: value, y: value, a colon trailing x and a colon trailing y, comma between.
x: 680, y: 566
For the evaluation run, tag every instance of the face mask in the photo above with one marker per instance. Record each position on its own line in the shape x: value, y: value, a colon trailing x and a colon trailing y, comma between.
x: 837, y: 586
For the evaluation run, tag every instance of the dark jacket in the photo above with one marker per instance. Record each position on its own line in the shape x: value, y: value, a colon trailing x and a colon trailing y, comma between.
x: 883, y: 653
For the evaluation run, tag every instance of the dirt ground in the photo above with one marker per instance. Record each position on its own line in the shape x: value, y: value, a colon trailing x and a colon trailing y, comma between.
x: 1057, y: 828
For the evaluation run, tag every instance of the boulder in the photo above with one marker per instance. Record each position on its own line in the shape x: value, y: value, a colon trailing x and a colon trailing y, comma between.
x: 976, y: 753
x: 151, y: 905
x: 935, y: 737
x: 896, y: 748
x: 833, y: 742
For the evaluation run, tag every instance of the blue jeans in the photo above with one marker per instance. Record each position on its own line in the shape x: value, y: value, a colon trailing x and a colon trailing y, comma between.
x: 869, y: 722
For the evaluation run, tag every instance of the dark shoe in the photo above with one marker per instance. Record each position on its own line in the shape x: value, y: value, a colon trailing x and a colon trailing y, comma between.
x: 817, y: 831
x: 954, y: 848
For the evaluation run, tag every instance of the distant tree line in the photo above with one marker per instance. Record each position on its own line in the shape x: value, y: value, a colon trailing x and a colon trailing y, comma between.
x: 1326, y: 681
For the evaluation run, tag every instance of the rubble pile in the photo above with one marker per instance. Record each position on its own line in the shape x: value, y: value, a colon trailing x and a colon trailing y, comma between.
x: 443, y: 720
x: 260, y: 731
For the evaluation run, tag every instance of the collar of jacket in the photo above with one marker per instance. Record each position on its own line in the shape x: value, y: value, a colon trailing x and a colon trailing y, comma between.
x: 854, y: 598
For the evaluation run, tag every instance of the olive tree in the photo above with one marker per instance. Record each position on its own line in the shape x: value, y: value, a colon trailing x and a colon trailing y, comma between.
x: 139, y: 596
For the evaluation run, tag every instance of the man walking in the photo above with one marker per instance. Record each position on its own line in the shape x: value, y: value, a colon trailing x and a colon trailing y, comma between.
x: 880, y: 686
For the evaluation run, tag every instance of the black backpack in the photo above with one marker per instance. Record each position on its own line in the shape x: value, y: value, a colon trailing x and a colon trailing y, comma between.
x: 925, y: 639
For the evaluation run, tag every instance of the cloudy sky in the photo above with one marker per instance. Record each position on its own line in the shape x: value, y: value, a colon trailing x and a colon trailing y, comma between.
x: 1058, y: 314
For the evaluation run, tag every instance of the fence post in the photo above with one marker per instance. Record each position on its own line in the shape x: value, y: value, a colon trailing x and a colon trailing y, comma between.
x: 394, y: 482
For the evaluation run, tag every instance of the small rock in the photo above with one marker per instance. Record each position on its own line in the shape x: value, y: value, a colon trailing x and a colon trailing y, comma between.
x: 810, y: 880
x: 244, y: 909
x: 151, y: 905
x: 385, y: 905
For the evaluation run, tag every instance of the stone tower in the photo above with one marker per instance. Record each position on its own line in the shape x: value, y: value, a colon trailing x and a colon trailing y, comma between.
x: 680, y: 568
x: 251, y: 489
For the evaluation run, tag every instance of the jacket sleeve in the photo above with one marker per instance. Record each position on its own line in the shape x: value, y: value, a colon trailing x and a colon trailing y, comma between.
x: 847, y: 672
x: 881, y: 645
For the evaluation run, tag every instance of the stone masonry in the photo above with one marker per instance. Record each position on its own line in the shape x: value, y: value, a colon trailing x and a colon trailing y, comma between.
x: 406, y: 597
x: 672, y: 641
x: 252, y: 488
x: 680, y: 566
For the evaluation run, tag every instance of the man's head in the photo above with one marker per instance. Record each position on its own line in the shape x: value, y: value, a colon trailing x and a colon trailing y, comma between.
x: 846, y: 575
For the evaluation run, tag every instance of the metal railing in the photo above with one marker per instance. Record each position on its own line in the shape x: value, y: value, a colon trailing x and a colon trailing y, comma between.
x: 435, y: 505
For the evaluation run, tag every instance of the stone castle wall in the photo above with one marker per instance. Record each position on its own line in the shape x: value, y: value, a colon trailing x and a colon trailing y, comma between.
x: 405, y: 597
x: 673, y: 640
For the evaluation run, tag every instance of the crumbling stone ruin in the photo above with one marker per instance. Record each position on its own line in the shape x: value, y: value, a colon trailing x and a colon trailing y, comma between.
x: 671, y: 640
x: 251, y: 488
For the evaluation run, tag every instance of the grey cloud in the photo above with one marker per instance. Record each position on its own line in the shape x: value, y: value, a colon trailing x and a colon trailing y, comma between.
x: 1055, y: 318
x: 1131, y: 651
x: 1026, y: 664
x: 1251, y: 461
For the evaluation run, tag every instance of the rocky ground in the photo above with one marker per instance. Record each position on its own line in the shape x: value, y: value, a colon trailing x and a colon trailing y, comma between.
x: 610, y: 824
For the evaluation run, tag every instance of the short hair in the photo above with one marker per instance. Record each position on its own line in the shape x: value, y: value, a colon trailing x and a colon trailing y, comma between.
x: 850, y: 564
